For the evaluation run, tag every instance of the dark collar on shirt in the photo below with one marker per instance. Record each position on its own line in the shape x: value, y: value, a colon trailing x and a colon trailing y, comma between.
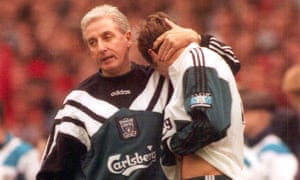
x: 133, y: 66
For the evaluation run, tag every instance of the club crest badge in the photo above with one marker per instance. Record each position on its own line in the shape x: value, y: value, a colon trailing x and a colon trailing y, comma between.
x: 128, y: 127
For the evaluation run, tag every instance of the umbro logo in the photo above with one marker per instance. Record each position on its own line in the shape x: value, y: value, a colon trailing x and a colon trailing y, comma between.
x: 120, y: 92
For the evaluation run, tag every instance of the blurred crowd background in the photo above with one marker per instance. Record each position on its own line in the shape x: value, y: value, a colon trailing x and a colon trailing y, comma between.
x: 42, y: 55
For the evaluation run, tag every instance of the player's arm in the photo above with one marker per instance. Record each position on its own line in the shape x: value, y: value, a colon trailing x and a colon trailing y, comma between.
x: 209, y: 108
x: 178, y: 37
x: 195, y: 135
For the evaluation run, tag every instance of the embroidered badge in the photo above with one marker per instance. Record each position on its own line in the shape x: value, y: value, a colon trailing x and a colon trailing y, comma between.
x: 128, y: 127
x: 201, y: 100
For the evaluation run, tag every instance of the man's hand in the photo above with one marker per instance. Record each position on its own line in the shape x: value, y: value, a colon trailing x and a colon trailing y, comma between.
x: 177, y: 37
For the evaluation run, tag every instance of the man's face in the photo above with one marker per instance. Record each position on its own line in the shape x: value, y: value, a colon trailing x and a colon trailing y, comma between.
x: 108, y: 46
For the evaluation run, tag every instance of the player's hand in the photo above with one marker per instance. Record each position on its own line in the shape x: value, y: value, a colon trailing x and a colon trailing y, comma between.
x: 153, y: 55
x: 157, y: 64
x: 177, y: 37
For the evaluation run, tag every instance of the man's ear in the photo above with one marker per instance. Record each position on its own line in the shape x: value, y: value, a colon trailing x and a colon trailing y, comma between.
x: 128, y: 37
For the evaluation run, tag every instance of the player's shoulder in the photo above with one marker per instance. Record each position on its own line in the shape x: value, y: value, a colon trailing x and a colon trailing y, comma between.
x: 18, y: 146
x: 201, y: 51
x: 216, y: 63
x: 273, y: 143
x: 210, y: 53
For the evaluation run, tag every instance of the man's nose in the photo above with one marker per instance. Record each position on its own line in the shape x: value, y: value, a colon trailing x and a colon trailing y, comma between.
x: 101, y: 46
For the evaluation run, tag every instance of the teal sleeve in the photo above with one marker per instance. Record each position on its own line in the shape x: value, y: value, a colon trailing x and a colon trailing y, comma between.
x: 208, y: 124
x: 219, y: 114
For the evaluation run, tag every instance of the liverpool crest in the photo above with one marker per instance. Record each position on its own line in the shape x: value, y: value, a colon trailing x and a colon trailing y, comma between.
x: 128, y: 127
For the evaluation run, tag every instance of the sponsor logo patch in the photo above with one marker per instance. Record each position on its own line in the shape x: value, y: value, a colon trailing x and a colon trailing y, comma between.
x: 128, y: 163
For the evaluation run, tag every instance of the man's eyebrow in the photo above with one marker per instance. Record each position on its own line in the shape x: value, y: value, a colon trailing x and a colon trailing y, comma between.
x: 106, y: 32
x: 90, y: 39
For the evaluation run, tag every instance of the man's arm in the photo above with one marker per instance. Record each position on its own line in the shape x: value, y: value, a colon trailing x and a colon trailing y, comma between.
x: 179, y: 37
x: 223, y: 50
x: 63, y: 154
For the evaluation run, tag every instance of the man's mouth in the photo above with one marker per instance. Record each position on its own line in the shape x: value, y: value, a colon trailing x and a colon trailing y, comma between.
x: 106, y: 58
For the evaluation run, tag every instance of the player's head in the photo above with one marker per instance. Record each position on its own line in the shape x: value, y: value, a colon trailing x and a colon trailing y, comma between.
x: 105, y: 11
x: 151, y: 28
x: 291, y: 80
x: 291, y: 86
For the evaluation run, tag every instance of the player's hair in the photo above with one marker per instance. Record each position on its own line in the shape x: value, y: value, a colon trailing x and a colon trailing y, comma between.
x: 151, y: 29
x: 105, y: 11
